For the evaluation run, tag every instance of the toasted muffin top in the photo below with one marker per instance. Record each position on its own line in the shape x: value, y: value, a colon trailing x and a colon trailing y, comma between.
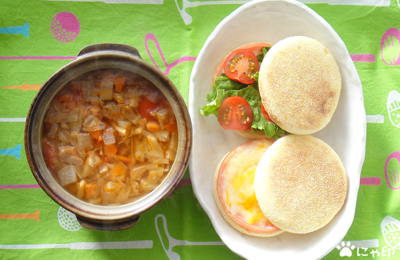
x: 300, y: 184
x: 300, y: 84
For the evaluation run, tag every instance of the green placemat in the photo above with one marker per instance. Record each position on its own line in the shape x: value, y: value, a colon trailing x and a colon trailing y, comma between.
x: 170, y: 34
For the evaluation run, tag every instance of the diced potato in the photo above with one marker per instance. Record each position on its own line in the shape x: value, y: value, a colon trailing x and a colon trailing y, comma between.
x: 88, y: 90
x: 85, y: 141
x: 108, y: 136
x: 106, y: 90
x: 77, y: 125
x: 162, y: 116
x: 81, y: 189
x: 67, y: 175
x: 93, y: 159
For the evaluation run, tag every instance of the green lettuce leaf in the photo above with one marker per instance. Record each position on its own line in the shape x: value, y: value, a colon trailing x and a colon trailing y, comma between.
x: 224, y: 88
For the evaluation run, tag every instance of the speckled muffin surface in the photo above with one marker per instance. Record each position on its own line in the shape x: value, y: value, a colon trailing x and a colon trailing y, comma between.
x: 300, y: 84
x: 300, y: 184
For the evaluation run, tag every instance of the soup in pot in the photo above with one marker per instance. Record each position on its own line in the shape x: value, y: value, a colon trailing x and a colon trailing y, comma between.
x: 109, y: 137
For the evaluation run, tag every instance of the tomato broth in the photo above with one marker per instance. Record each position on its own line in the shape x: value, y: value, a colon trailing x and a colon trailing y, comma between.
x: 109, y: 137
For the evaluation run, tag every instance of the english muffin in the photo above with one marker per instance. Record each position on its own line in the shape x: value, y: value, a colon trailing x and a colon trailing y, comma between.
x: 300, y: 184
x: 300, y: 85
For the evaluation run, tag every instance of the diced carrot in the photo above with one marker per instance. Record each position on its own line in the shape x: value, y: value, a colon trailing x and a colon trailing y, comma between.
x: 96, y: 133
x: 110, y: 150
x: 153, y: 125
x: 123, y: 158
x: 119, y: 169
x: 119, y: 83
x: 172, y: 127
x: 89, y: 188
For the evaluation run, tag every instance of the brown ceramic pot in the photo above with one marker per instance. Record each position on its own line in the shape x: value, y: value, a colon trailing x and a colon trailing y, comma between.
x: 94, y: 57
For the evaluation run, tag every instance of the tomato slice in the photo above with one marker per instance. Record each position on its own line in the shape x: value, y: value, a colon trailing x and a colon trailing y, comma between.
x: 264, y: 112
x: 235, y: 114
x: 241, y: 65
x: 253, y: 47
x: 244, y: 154
x: 147, y: 108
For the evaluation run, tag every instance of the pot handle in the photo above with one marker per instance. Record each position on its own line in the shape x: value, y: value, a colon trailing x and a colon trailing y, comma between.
x: 109, y: 47
x: 107, y: 225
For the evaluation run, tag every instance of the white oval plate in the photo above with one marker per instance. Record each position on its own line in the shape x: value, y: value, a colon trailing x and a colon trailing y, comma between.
x: 271, y: 21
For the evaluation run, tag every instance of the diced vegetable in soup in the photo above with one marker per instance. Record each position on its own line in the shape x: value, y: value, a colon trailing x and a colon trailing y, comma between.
x: 109, y: 137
